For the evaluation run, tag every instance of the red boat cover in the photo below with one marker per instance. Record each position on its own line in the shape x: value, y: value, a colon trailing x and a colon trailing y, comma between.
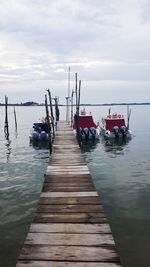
x: 111, y: 123
x: 85, y: 122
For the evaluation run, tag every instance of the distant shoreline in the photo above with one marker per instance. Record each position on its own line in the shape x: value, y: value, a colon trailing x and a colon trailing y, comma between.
x: 103, y: 104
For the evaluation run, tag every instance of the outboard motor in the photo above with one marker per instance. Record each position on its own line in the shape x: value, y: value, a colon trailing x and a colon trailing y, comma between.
x: 93, y: 132
x: 116, y: 131
x: 123, y: 131
x: 43, y: 136
x: 35, y: 136
x: 81, y: 133
x: 86, y: 133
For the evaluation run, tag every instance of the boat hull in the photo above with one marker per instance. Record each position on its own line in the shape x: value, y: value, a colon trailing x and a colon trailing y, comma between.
x: 89, y: 135
x: 111, y: 136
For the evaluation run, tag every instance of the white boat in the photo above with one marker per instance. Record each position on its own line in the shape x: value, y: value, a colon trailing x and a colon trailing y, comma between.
x: 87, y: 127
x: 114, y: 127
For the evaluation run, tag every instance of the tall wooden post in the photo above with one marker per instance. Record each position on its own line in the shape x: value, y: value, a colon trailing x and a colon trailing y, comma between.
x: 48, y: 124
x: 52, y: 115
x: 15, y: 119
x: 72, y: 107
x: 128, y: 116
x: 68, y: 107
x: 76, y: 88
x: 6, y: 127
x: 56, y: 111
x: 77, y: 114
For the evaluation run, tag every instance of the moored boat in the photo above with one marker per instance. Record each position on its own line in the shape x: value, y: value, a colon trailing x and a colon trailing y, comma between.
x: 114, y: 127
x: 39, y: 132
x: 87, y: 128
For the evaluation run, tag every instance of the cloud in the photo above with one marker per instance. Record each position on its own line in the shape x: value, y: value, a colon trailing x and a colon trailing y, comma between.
x: 101, y: 40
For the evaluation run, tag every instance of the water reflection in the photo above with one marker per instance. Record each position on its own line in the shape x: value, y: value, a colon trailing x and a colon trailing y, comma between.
x: 8, y: 146
x: 39, y: 144
x: 89, y: 146
x: 115, y: 146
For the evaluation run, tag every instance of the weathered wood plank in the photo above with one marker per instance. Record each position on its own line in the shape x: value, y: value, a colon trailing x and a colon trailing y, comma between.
x: 56, y: 180
x: 69, y: 194
x: 70, y: 228
x: 68, y: 200
x: 68, y: 253
x: 69, y: 218
x: 61, y: 239
x: 64, y: 264
x: 69, y: 208
x: 79, y: 167
x: 67, y: 172
x: 68, y: 178
x: 52, y: 188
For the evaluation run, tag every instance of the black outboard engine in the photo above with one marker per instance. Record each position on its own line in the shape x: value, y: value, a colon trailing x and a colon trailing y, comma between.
x: 81, y: 133
x: 116, y: 131
x: 123, y: 131
x: 93, y: 132
x: 86, y: 133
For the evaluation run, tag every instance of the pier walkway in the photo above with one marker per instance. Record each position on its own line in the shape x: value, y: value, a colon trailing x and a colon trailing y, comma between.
x: 69, y: 228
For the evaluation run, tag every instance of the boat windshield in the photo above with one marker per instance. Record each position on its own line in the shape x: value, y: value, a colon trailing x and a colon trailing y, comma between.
x: 114, y: 122
x: 85, y: 122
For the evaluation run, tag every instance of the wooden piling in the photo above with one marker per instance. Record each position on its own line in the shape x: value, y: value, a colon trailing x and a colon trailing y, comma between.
x: 15, y: 117
x: 6, y: 127
x: 52, y: 115
x: 48, y: 123
x: 69, y: 227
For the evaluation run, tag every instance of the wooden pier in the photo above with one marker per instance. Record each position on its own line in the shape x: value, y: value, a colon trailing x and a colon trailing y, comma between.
x: 69, y: 227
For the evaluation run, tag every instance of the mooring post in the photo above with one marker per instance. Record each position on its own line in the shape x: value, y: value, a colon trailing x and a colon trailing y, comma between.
x: 48, y: 123
x: 6, y: 127
x: 15, y: 118
x: 72, y: 107
x: 52, y: 115
x: 77, y: 112
x: 56, y: 111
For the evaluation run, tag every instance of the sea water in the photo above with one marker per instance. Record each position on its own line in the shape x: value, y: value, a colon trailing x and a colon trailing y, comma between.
x: 121, y: 173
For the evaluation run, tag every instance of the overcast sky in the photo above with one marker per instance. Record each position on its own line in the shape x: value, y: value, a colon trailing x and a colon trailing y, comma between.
x: 107, y: 42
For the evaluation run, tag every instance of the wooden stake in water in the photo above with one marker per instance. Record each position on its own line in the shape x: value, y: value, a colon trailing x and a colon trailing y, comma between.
x: 128, y: 116
x: 77, y: 114
x: 6, y: 127
x: 72, y: 107
x: 15, y: 119
x: 52, y: 115
x: 48, y: 123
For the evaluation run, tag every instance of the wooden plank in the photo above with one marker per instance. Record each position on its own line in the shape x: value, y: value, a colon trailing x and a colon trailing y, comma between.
x: 70, y: 228
x: 60, y: 178
x: 69, y: 194
x: 69, y: 218
x: 80, y: 167
x: 68, y: 200
x: 66, y: 188
x: 61, y: 239
x: 65, y: 264
x: 69, y: 208
x: 67, y: 172
x: 68, y: 253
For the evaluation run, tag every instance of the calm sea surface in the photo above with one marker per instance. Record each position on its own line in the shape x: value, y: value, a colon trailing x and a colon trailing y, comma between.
x: 121, y: 173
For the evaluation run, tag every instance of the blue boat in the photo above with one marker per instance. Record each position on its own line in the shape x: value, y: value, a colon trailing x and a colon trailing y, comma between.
x: 39, y: 132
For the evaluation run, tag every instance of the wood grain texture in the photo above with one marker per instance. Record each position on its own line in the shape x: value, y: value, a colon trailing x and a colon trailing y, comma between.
x: 68, y: 200
x: 68, y: 253
x: 69, y: 227
x: 63, y: 239
x: 65, y: 264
